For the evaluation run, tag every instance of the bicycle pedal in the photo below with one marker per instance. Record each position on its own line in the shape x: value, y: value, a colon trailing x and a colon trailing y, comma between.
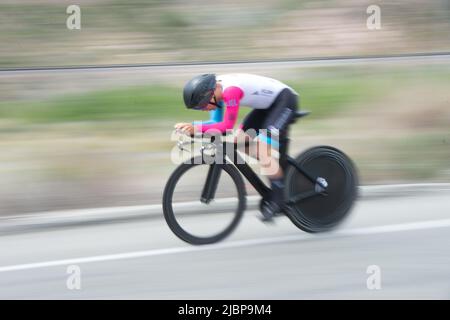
x: 269, y: 211
x: 278, y: 214
x: 267, y: 220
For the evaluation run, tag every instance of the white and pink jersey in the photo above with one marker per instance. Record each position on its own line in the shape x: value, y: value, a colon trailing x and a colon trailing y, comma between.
x: 257, y: 92
x: 248, y: 90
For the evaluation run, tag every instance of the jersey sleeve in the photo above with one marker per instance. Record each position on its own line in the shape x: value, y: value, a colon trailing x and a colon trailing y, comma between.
x: 231, y: 97
x: 214, y: 117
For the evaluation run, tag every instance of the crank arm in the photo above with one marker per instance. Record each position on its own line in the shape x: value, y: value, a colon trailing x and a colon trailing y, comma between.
x: 305, y: 195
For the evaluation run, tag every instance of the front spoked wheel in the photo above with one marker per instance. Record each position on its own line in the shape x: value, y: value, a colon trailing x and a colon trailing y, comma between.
x: 195, y: 219
x: 313, y: 209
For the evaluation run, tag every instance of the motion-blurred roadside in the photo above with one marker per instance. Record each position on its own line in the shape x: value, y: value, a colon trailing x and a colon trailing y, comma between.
x: 115, y: 31
x: 93, y: 138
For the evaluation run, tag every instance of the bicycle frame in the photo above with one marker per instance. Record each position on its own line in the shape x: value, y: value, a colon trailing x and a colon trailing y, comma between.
x: 231, y: 150
x: 212, y: 179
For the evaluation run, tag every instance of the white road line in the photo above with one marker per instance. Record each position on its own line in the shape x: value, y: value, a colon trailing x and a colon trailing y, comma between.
x: 421, y: 225
x: 434, y: 185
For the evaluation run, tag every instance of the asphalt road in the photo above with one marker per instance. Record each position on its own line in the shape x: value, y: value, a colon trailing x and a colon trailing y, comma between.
x: 406, y: 237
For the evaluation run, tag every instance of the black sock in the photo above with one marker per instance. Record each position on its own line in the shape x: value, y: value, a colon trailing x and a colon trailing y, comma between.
x: 277, y: 186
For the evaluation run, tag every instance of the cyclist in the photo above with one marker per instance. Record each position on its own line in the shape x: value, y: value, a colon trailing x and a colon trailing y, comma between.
x: 274, y: 105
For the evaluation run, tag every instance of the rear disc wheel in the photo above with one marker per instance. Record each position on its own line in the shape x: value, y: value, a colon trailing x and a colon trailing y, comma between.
x: 324, y: 211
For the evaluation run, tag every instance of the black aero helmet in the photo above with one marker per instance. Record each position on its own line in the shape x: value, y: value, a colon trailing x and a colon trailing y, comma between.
x: 199, y: 90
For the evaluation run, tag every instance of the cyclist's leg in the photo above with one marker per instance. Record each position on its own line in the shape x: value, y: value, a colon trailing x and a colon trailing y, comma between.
x: 249, y: 130
x: 273, y: 139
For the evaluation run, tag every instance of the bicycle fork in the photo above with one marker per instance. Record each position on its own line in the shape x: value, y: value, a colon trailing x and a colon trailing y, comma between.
x: 212, y: 180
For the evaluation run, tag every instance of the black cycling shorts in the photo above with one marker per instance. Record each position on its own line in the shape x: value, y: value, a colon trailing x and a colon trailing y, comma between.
x: 275, y: 119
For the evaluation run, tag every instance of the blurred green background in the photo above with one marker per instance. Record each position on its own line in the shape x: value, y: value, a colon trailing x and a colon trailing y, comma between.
x: 92, y: 138
x: 115, y: 31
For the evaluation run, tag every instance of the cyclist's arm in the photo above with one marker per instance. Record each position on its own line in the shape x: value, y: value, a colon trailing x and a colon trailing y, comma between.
x: 214, y: 117
x: 231, y: 97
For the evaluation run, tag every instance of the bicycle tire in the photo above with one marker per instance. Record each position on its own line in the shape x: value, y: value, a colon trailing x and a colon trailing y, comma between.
x: 169, y: 214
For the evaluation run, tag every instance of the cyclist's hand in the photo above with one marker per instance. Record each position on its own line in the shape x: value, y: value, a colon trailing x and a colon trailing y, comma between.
x: 186, y: 128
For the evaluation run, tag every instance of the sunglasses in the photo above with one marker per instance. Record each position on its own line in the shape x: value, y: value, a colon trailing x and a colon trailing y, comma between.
x: 213, y: 103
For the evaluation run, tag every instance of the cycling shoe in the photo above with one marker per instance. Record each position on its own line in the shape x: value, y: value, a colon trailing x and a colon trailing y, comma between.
x: 269, y: 209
